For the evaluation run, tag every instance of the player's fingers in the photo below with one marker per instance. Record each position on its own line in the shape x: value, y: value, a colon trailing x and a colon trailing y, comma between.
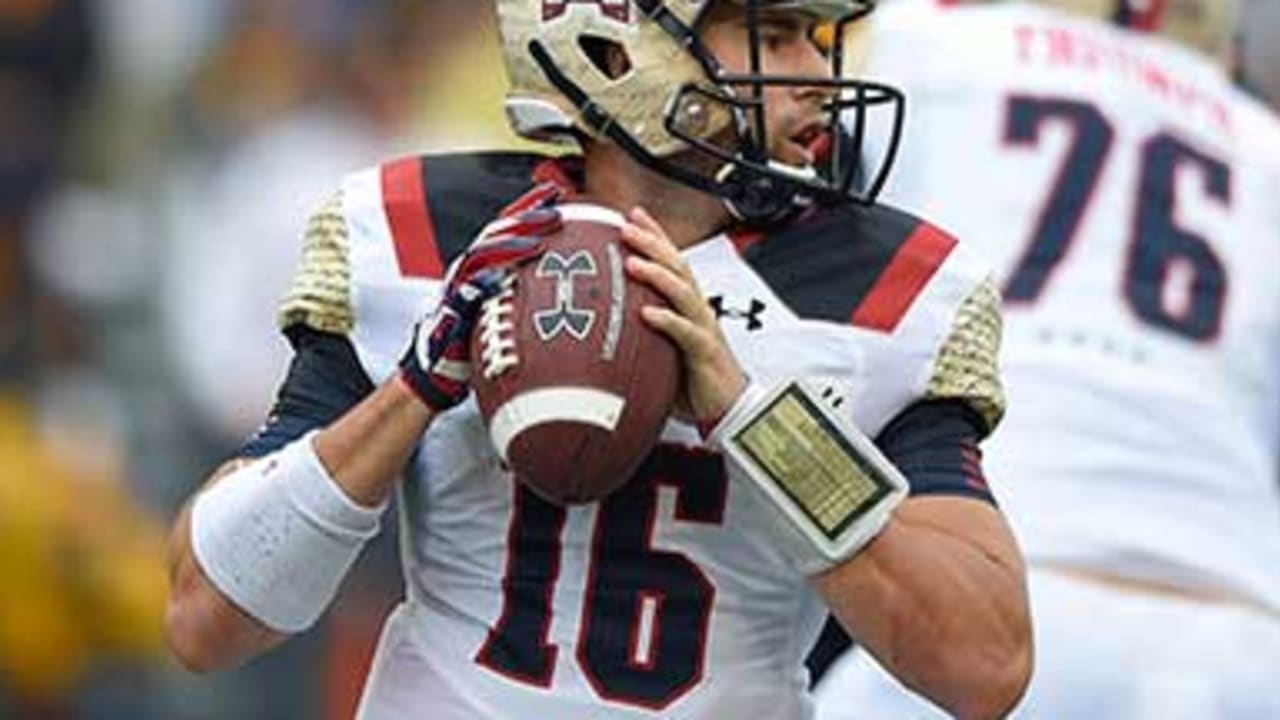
x: 467, y: 297
x: 537, y: 222
x: 655, y: 246
x: 683, y: 295
x: 694, y: 341
x: 641, y: 217
x: 644, y: 235
x: 489, y: 282
x: 650, y: 245
x: 507, y: 251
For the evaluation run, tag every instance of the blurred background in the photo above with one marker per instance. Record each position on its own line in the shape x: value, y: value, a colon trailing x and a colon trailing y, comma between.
x: 157, y: 161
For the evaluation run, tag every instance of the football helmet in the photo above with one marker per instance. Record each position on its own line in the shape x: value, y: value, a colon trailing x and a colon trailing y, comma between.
x: 635, y: 72
x: 1206, y: 25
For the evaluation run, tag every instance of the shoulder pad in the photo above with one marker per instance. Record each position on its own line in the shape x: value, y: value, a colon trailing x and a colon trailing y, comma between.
x: 435, y: 205
x: 890, y: 273
x: 858, y: 264
x: 967, y: 367
x: 379, y: 252
x: 320, y: 296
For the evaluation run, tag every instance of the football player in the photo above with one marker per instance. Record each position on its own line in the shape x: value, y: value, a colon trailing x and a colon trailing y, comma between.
x: 1100, y: 155
x: 694, y: 590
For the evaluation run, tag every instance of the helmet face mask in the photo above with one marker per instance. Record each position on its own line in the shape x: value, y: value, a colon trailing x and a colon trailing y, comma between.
x: 637, y: 73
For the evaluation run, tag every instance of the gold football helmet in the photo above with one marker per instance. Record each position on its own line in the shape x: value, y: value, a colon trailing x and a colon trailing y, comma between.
x: 636, y: 73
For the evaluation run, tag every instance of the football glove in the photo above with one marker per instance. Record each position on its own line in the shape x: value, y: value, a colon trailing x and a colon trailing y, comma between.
x: 437, y: 364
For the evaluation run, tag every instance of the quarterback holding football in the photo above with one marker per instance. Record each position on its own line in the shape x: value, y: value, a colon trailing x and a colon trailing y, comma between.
x: 823, y: 368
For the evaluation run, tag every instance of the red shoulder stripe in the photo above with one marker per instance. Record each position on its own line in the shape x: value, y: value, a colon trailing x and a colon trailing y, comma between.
x: 907, y: 273
x: 743, y: 239
x: 404, y: 198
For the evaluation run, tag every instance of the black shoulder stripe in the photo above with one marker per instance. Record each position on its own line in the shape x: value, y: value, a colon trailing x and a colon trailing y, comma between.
x: 850, y: 263
x: 465, y: 191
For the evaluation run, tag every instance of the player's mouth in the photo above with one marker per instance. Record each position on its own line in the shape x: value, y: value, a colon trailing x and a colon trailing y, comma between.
x: 812, y: 142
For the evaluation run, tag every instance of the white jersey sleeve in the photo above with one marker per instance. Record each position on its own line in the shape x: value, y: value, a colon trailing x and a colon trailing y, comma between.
x: 375, y: 254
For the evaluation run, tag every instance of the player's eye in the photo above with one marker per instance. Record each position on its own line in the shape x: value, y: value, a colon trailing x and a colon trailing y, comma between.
x: 772, y: 38
x: 777, y: 33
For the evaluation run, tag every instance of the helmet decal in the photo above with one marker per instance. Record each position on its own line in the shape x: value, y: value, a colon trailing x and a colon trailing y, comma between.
x: 619, y: 10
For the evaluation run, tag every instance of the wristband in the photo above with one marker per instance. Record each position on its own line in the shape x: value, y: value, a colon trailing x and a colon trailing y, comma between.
x: 831, y: 489
x: 277, y: 536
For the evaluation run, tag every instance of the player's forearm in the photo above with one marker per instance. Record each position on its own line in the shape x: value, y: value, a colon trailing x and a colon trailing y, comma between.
x: 204, y: 630
x: 939, y: 598
x: 366, y: 449
x: 362, y: 452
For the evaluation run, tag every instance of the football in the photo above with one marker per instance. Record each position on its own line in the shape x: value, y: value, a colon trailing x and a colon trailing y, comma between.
x: 573, y: 385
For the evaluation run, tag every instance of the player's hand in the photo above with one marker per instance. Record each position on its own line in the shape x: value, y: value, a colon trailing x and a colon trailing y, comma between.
x: 713, y: 377
x: 437, y: 364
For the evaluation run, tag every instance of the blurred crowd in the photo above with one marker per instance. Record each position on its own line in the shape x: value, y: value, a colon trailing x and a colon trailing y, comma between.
x: 157, y: 161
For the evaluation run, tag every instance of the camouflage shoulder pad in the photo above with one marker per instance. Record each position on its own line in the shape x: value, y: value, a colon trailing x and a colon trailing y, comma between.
x: 967, y: 367
x: 320, y: 296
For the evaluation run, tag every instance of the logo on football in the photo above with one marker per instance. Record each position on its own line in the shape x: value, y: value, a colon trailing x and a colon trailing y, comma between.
x: 564, y: 316
x: 573, y: 386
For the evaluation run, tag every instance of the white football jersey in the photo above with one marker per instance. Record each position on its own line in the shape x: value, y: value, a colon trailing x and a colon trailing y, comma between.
x: 1129, y: 197
x: 662, y: 600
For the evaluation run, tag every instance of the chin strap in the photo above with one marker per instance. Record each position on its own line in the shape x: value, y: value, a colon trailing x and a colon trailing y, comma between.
x: 757, y: 199
x: 751, y: 196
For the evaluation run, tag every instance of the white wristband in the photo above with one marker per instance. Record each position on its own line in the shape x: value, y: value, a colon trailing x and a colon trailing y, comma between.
x: 831, y: 489
x: 277, y: 536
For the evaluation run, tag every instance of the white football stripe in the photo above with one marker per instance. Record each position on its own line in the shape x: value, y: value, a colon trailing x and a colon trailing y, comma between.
x: 579, y: 212
x: 565, y: 404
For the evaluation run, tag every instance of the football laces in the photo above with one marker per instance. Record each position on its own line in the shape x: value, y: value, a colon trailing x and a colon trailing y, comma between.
x: 497, y: 337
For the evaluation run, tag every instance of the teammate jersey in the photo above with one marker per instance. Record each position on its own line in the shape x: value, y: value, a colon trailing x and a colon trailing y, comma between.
x: 1127, y: 195
x: 659, y: 601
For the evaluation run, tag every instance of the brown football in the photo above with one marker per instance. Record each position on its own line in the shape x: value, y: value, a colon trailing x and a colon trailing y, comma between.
x: 573, y: 385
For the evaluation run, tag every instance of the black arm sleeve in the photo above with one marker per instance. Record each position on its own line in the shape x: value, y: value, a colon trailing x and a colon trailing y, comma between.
x: 324, y: 381
x: 935, y: 445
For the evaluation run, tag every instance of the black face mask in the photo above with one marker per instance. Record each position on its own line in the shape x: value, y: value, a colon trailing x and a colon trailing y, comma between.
x: 737, y: 169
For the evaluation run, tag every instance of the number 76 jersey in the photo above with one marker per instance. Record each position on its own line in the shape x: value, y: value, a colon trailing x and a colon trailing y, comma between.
x: 1129, y: 197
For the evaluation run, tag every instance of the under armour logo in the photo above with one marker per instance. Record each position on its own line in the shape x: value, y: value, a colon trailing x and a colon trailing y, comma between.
x: 751, y: 315
x: 619, y: 10
x: 832, y: 398
x: 565, y: 316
